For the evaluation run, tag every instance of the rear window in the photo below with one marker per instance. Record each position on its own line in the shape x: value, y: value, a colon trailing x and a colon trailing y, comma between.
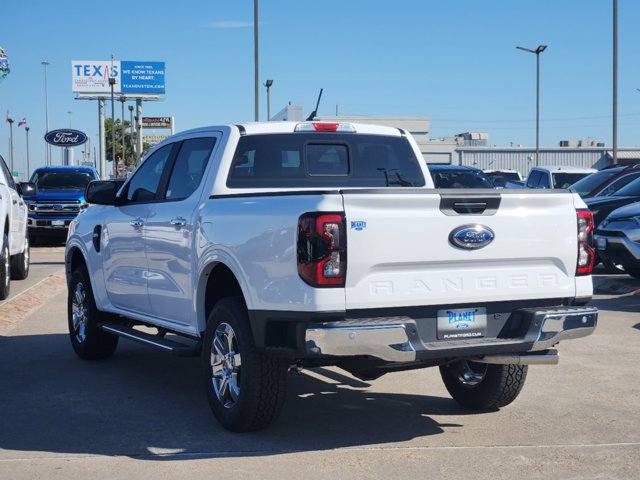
x: 565, y: 180
x: 324, y: 160
x: 451, y: 178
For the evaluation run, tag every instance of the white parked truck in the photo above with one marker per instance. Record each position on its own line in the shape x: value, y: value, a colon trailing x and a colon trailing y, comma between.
x: 14, y: 241
x: 262, y: 247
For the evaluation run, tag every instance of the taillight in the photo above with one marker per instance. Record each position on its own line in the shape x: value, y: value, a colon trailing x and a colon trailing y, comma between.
x: 586, y: 255
x: 322, y: 249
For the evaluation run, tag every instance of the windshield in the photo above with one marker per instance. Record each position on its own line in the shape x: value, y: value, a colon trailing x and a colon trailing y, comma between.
x: 588, y: 183
x: 565, y: 180
x: 61, y: 180
x: 460, y: 179
x: 630, y: 190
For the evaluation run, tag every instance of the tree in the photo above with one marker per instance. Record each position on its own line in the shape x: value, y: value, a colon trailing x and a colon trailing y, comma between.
x: 129, y: 142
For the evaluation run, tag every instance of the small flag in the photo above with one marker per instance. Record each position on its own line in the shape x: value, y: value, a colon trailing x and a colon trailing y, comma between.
x: 22, y: 122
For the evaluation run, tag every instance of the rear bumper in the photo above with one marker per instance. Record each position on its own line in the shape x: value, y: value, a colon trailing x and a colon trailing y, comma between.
x: 398, y: 340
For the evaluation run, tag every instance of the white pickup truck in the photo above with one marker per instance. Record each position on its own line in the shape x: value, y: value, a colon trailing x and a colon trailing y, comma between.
x: 262, y: 247
x: 14, y: 242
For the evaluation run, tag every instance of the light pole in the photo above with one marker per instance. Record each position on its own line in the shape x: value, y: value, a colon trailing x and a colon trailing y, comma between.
x: 10, y: 120
x: 46, y: 109
x: 615, y: 82
x: 537, y: 51
x: 131, y: 125
x: 26, y: 131
x: 268, y: 84
x: 124, y: 162
x: 255, y: 54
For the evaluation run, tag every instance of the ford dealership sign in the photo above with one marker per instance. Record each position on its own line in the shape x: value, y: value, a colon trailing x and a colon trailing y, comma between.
x: 65, y: 138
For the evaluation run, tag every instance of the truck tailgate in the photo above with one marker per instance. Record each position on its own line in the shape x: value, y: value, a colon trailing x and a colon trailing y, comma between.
x: 401, y: 252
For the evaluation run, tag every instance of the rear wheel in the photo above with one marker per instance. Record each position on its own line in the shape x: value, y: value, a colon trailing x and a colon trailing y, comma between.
x: 245, y: 387
x: 88, y: 340
x: 482, y: 386
x: 612, y: 267
x: 5, y: 268
x: 633, y: 271
x: 20, y: 262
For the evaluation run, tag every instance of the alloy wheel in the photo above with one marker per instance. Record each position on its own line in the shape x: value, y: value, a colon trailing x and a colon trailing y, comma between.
x: 80, y: 313
x: 225, y: 365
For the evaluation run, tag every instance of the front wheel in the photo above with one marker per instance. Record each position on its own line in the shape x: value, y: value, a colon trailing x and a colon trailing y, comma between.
x: 87, y: 339
x: 20, y: 262
x: 5, y: 268
x: 482, y: 386
x: 245, y: 387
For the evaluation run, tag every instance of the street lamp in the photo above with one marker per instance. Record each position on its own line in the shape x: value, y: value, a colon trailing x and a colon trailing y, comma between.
x: 46, y: 109
x: 537, y: 51
x: 124, y: 161
x: 131, y: 127
x: 26, y: 130
x: 268, y: 85
x: 255, y: 54
x: 10, y: 120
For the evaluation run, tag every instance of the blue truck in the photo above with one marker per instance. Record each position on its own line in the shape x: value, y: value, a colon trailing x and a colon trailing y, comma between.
x: 58, y: 196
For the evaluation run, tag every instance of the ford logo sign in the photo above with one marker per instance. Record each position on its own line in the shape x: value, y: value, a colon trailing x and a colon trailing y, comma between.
x: 65, y: 138
x: 471, y: 237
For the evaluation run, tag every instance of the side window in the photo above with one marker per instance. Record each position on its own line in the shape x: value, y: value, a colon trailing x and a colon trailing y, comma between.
x: 7, y: 174
x: 144, y: 184
x: 544, y: 181
x: 189, y: 167
x: 534, y: 178
x: 618, y: 184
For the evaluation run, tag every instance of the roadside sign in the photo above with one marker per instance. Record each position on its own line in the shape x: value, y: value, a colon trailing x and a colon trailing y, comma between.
x: 156, y: 122
x: 131, y: 77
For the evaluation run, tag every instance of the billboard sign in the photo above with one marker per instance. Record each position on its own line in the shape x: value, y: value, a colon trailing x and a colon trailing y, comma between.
x: 65, y: 137
x: 142, y: 77
x: 131, y: 78
x: 89, y: 76
x: 156, y: 122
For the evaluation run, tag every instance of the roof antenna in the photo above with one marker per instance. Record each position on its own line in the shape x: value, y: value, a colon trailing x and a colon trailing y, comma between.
x: 314, y: 114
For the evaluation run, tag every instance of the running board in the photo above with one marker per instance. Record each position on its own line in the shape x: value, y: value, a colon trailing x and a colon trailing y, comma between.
x: 166, y: 344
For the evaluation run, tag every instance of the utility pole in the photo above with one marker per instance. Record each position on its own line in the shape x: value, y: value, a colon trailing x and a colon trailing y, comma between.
x: 26, y: 130
x: 255, y: 54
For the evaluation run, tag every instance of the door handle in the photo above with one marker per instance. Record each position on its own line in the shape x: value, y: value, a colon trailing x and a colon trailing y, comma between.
x: 137, y: 223
x: 178, y: 222
x: 15, y: 201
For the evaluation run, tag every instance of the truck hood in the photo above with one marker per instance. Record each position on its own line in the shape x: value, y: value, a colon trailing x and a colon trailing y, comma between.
x: 51, y: 195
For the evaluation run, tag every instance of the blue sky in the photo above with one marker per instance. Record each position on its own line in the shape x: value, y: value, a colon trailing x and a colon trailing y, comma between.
x: 454, y: 62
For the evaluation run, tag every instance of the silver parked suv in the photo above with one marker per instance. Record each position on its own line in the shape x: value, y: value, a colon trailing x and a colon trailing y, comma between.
x: 617, y: 239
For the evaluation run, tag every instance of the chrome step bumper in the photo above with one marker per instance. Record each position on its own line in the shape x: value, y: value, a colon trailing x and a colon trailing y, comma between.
x: 399, y: 342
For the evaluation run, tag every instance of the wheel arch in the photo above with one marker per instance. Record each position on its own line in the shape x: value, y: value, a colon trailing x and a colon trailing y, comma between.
x: 216, y: 282
x: 74, y: 259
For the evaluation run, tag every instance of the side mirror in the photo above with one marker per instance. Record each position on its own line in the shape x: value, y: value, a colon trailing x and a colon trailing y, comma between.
x: 102, y: 192
x: 26, y: 189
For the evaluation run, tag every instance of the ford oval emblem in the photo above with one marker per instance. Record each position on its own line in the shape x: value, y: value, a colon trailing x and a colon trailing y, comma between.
x: 471, y: 237
x: 65, y: 138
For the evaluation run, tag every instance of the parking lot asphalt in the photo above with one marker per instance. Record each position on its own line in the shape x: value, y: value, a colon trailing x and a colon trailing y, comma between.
x: 142, y: 414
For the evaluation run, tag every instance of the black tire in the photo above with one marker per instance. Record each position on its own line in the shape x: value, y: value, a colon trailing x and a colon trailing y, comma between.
x: 633, y: 271
x: 20, y: 262
x: 5, y: 268
x: 612, y: 267
x: 481, y: 386
x: 243, y: 398
x: 88, y: 340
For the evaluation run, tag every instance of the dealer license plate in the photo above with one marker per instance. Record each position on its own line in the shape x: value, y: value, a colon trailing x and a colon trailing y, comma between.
x: 57, y: 223
x: 462, y: 323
